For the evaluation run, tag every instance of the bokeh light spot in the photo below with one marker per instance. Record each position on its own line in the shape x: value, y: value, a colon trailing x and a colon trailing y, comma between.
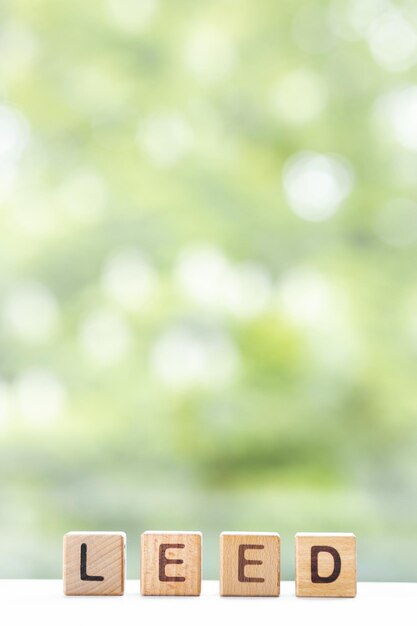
x: 185, y: 358
x: 14, y: 134
x: 31, y: 311
x: 209, y: 53
x: 316, y: 184
x: 5, y: 404
x: 209, y: 279
x: 306, y: 297
x: 397, y: 111
x: 132, y: 15
x: 41, y: 396
x: 393, y: 41
x: 129, y: 279
x: 165, y: 138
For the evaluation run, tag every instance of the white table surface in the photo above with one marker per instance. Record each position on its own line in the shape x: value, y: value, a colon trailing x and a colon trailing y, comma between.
x: 28, y: 602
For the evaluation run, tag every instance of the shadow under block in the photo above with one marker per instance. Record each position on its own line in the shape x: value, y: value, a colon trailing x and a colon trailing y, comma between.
x: 249, y: 564
x: 94, y: 563
x: 325, y: 565
x: 170, y: 563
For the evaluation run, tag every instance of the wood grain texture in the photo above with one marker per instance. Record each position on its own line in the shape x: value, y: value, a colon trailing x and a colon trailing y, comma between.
x: 249, y: 564
x: 100, y: 555
x: 170, y: 563
x: 325, y: 565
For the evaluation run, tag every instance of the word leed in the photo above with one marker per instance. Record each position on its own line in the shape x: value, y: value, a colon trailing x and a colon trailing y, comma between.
x: 94, y: 564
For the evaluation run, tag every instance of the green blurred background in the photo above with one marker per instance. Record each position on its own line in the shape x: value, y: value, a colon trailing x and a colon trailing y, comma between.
x: 208, y: 298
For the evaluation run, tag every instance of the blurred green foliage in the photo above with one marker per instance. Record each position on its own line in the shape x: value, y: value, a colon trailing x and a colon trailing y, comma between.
x: 208, y: 228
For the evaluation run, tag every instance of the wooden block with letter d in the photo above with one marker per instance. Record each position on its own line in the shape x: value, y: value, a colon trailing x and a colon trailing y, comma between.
x: 325, y: 565
x: 170, y: 563
x: 249, y: 564
x: 94, y: 563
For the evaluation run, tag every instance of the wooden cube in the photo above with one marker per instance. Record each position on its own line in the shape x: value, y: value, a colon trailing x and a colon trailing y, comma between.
x: 94, y: 563
x: 170, y: 563
x: 325, y: 564
x: 249, y: 564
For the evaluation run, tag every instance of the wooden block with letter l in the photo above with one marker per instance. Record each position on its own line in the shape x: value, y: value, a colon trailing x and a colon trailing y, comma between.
x: 325, y: 565
x: 94, y: 563
x: 170, y: 563
x: 249, y: 564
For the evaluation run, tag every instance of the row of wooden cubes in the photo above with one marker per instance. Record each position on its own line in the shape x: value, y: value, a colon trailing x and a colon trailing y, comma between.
x: 94, y: 564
